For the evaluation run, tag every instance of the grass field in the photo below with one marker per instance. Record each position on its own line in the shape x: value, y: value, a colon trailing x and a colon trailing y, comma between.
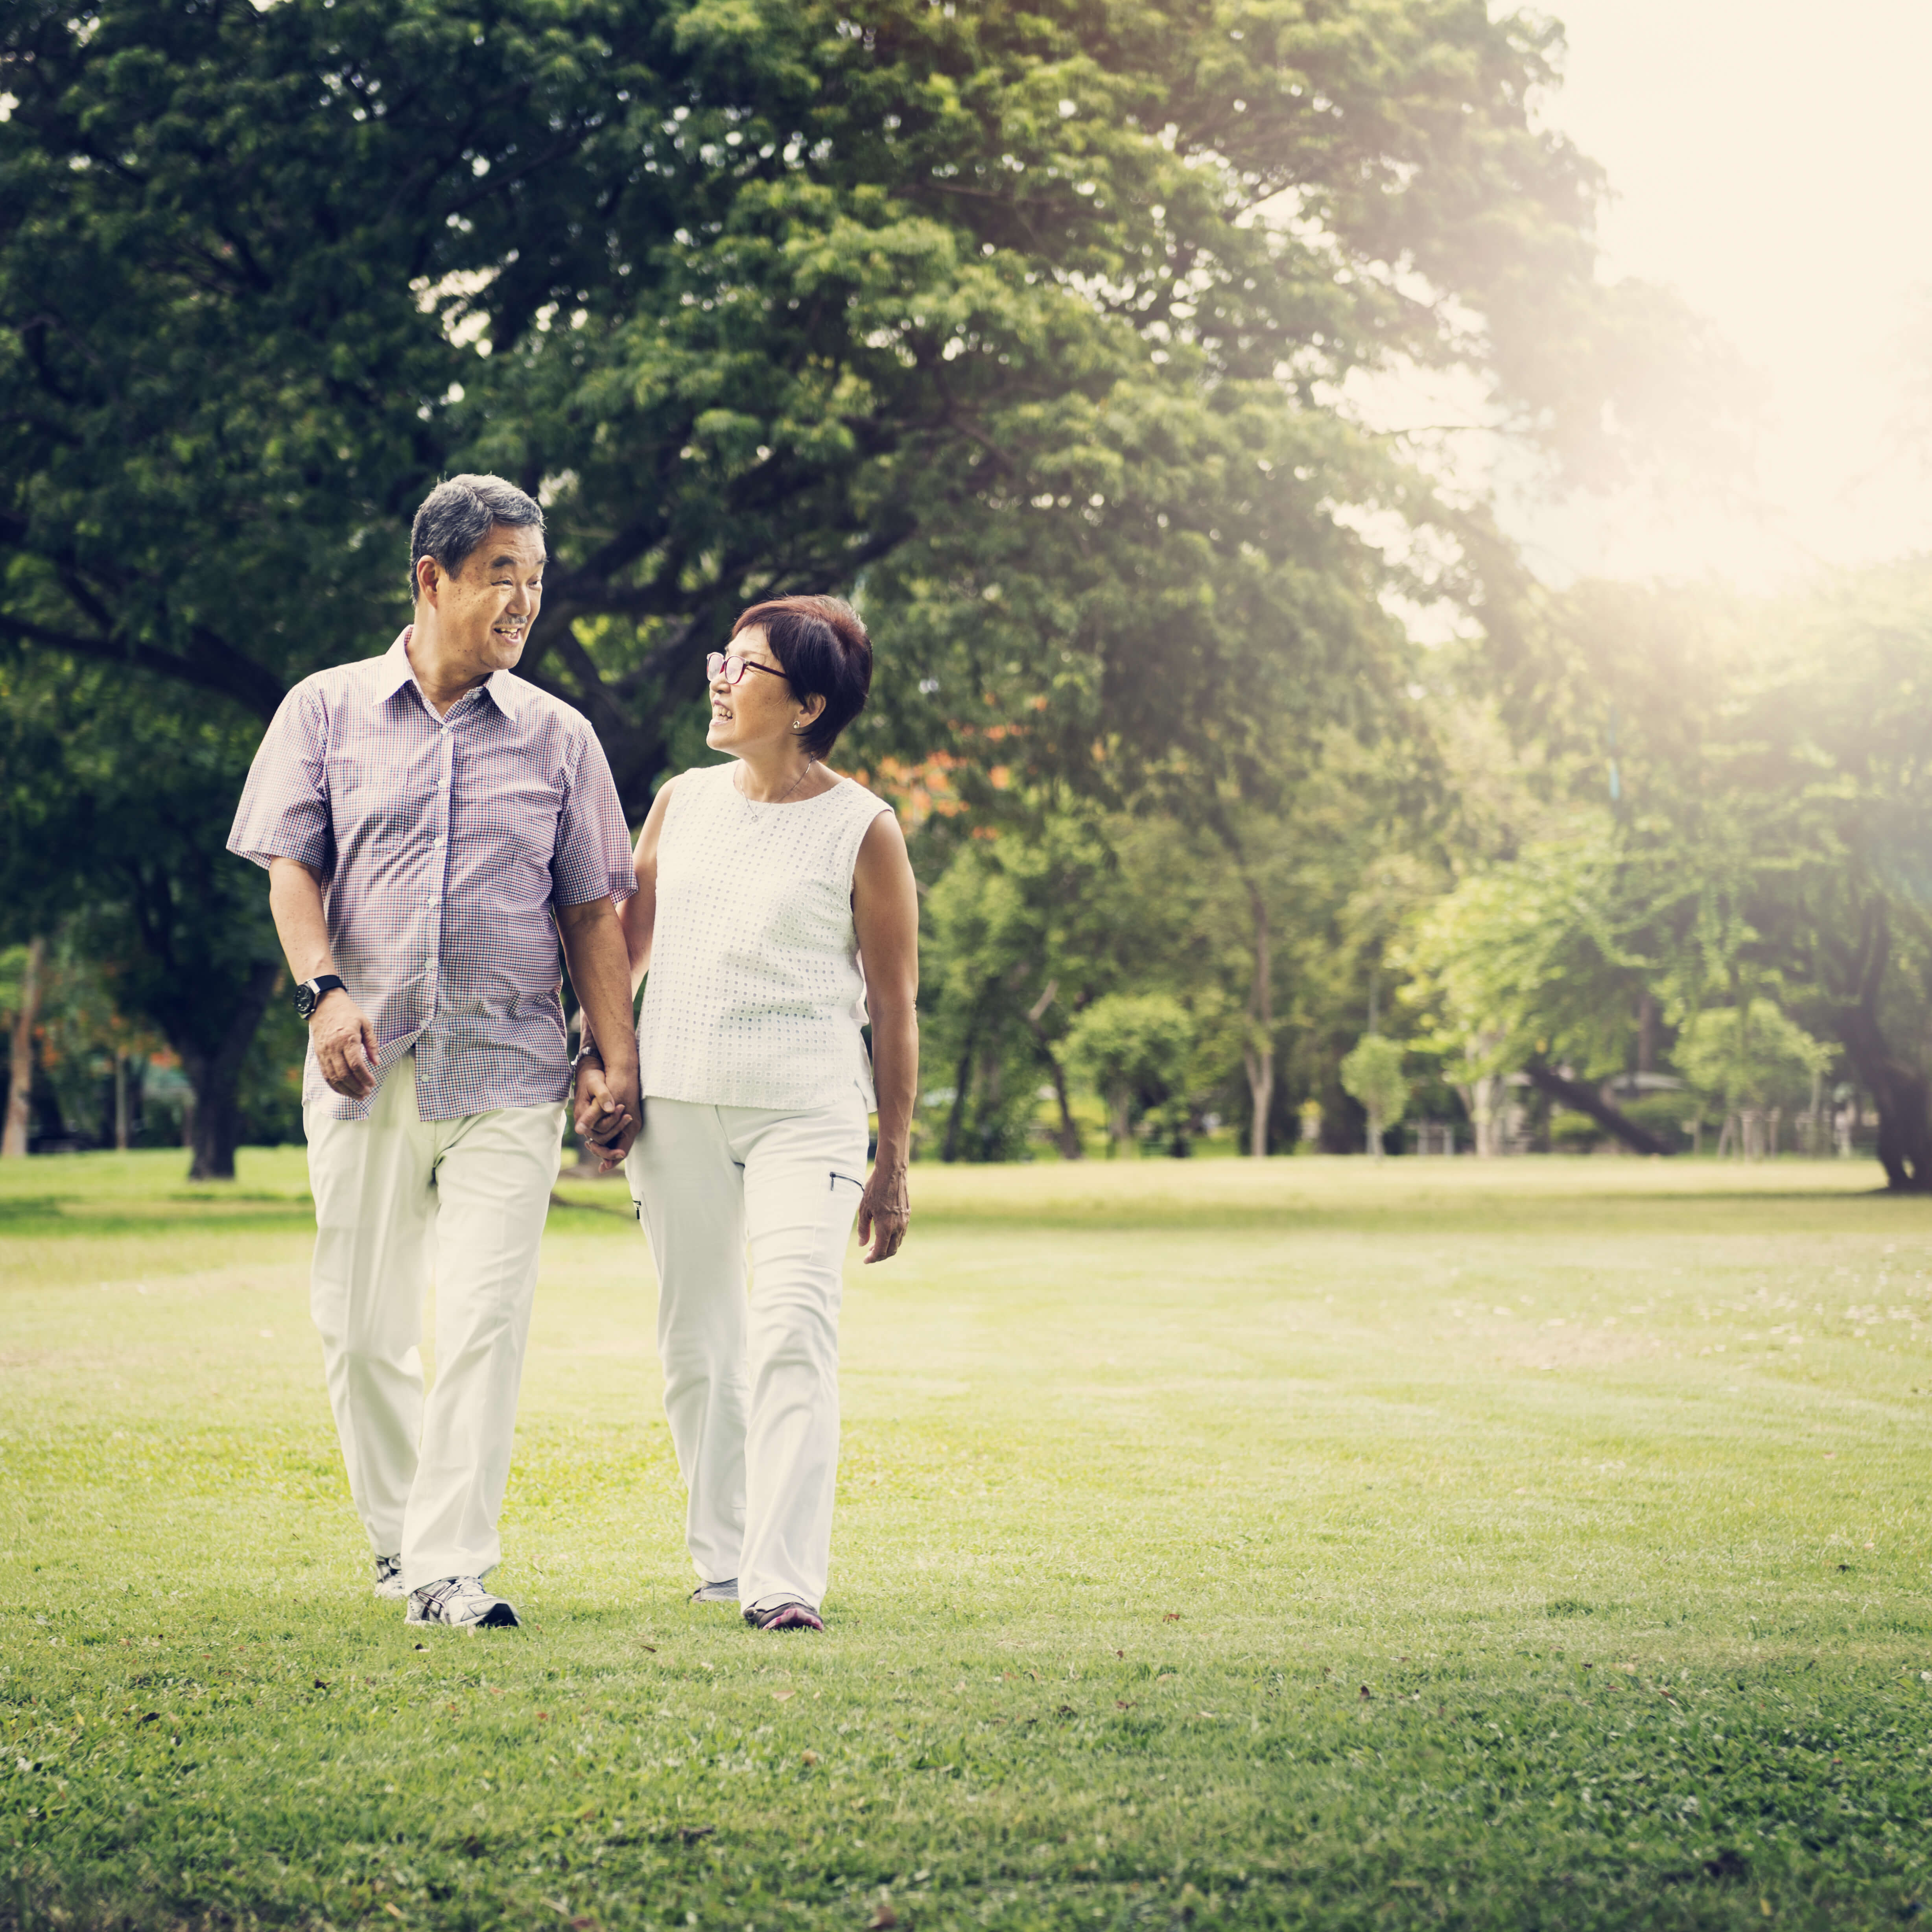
x: 1537, y: 1543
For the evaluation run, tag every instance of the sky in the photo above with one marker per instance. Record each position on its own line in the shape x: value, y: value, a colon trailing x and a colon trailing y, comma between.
x: 1772, y: 162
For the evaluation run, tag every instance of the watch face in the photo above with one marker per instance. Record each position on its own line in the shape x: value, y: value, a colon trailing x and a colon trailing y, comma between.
x: 305, y: 1000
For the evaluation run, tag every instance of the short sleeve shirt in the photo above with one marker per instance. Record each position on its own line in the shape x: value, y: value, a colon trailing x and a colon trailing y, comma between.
x: 444, y: 845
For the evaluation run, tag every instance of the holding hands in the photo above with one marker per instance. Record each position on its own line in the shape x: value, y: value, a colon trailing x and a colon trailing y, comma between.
x: 609, y: 1113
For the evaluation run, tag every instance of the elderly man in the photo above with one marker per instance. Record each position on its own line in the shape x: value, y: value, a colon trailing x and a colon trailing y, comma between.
x: 432, y: 825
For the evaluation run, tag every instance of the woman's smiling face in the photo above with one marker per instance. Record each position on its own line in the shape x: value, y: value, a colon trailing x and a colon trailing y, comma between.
x: 758, y: 712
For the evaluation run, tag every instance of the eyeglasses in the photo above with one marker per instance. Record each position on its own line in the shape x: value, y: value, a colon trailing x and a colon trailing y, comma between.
x: 732, y: 670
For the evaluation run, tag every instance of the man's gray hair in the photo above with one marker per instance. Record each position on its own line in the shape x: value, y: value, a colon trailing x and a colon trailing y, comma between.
x: 456, y: 515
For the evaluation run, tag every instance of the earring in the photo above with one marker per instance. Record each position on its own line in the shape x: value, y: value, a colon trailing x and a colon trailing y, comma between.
x: 797, y: 727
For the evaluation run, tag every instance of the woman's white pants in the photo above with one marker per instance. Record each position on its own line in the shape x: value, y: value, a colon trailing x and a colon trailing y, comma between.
x: 751, y: 1375
x: 396, y: 1199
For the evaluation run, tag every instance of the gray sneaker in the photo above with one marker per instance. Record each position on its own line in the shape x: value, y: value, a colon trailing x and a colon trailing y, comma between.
x: 389, y: 1579
x: 459, y: 1603
x: 726, y: 1592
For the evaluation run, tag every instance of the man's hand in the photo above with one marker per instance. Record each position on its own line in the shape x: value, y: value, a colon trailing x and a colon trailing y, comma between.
x: 345, y: 1045
x: 885, y: 1210
x: 609, y: 1112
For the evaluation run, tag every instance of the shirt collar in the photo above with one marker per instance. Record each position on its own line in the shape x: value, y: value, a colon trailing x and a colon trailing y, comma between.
x: 394, y: 670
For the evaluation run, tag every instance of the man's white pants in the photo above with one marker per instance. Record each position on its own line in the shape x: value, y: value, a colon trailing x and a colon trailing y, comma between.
x: 751, y: 1379
x: 396, y: 1199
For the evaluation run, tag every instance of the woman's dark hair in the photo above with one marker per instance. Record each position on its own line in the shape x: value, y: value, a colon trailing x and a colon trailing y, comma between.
x: 826, y: 653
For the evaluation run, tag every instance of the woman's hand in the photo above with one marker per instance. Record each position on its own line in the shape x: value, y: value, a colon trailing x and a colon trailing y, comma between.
x: 602, y: 1120
x: 885, y: 1209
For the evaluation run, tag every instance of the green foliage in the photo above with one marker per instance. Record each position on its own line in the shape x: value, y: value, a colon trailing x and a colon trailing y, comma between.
x: 125, y: 846
x: 1751, y: 1055
x: 1134, y: 1049
x: 1545, y: 956
x: 1770, y: 841
x: 1371, y: 1073
x: 1002, y: 305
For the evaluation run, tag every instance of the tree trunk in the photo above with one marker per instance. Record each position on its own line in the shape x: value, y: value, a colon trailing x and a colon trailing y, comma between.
x: 1258, y: 1055
x: 1904, y: 1104
x: 20, y: 1068
x: 216, y: 1078
x: 1069, y: 1136
x: 1585, y: 1100
x: 956, y: 1120
x: 1646, y: 1034
x: 1904, y: 1101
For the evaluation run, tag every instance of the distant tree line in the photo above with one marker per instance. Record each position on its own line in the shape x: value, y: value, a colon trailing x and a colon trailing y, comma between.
x: 1036, y: 328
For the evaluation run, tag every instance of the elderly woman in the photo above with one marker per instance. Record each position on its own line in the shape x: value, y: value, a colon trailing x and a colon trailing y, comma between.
x: 775, y: 910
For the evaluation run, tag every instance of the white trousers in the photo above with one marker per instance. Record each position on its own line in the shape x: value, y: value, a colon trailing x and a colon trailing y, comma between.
x: 752, y: 1377
x: 397, y: 1198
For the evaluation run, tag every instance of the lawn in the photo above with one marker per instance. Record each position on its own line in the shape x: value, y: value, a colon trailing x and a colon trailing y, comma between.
x: 1535, y: 1544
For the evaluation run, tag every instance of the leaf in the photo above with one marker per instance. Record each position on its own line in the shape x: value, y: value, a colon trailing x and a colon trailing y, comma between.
x: 1366, y: 1693
x: 783, y: 1697
x: 882, y: 1920
x: 322, y: 1684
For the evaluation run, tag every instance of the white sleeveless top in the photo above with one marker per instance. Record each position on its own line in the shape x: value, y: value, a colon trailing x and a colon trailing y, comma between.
x: 755, y: 997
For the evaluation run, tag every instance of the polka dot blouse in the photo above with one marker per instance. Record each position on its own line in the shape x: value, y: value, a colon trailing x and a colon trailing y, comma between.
x: 755, y: 997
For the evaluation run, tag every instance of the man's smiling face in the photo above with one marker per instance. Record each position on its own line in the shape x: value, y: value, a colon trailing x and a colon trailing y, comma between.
x: 485, y: 609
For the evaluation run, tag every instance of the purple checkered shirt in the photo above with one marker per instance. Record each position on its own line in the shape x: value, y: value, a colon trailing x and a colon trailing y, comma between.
x: 442, y: 844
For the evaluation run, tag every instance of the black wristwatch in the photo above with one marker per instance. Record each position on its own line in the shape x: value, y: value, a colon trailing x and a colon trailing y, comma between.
x: 308, y: 994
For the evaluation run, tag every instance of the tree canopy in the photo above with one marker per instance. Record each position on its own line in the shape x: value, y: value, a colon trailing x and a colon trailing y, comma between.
x: 1034, y: 317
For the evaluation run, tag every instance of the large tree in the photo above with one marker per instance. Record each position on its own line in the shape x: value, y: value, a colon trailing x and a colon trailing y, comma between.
x: 1749, y: 820
x: 1040, y: 310
x: 114, y: 814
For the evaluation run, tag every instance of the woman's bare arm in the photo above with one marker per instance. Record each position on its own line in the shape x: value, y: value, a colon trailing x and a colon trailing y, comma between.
x: 599, y: 1112
x: 885, y: 910
x: 640, y: 909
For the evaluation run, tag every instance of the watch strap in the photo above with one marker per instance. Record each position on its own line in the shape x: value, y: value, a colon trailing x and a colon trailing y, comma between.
x: 315, y: 989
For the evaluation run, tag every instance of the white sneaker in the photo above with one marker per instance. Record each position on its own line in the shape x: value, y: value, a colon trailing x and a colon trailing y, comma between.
x: 726, y: 1592
x: 459, y: 1603
x: 389, y: 1579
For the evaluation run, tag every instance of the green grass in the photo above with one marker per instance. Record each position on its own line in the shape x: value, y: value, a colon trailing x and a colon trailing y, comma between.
x: 1218, y: 1545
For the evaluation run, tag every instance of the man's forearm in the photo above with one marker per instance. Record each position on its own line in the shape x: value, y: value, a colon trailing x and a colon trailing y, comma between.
x: 600, y: 970
x: 294, y: 902
x: 895, y: 1079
